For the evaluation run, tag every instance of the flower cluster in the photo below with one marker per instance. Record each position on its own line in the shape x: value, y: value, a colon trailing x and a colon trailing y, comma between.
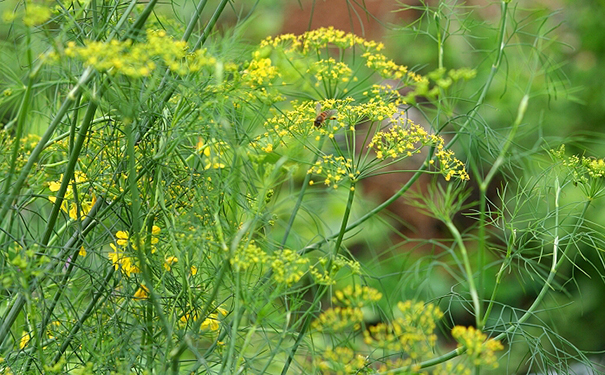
x: 411, y: 333
x: 399, y: 142
x: 288, y: 267
x: 349, y: 317
x: 213, y: 153
x: 246, y: 257
x: 319, y: 39
x: 341, y: 360
x: 374, y: 110
x: 68, y: 204
x: 321, y: 275
x: 583, y: 169
x: 384, y: 93
x: 336, y: 170
x: 288, y: 125
x: 211, y: 323
x: 312, y: 43
x: 121, y: 258
x: 337, y: 319
x: 357, y: 296
x: 260, y: 71
x: 384, y: 66
x: 135, y: 59
x: 479, y: 350
x: 330, y: 70
x: 32, y: 15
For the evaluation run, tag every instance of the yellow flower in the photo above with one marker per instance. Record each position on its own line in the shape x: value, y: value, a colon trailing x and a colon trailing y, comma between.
x: 169, y: 261
x: 25, y: 337
x: 211, y: 323
x: 122, y: 237
x: 54, y: 185
x: 82, y: 252
x: 477, y: 346
x: 142, y: 292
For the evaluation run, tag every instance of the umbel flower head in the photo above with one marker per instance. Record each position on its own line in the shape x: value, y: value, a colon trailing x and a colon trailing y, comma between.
x: 139, y: 59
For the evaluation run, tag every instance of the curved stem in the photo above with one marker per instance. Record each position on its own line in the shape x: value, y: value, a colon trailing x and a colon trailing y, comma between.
x: 556, y: 264
x: 467, y: 267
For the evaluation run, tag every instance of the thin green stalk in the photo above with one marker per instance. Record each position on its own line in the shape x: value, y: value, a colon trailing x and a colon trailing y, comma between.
x: 482, y: 245
x: 69, y: 171
x: 556, y: 264
x: 467, y: 267
x: 234, y: 328
x: 372, y: 212
x: 308, y: 315
x: 62, y: 287
x: 135, y: 205
x: 15, y: 307
x: 23, y: 112
x: 87, y: 313
x: 483, y: 197
x: 194, y: 19
x: 35, y: 154
x: 210, y: 25
x: 176, y: 353
x: 301, y: 195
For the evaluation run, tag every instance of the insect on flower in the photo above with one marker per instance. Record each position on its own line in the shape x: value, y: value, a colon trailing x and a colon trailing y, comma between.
x: 322, y: 116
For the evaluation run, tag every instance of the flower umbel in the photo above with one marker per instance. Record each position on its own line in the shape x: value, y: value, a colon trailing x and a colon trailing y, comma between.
x: 479, y: 349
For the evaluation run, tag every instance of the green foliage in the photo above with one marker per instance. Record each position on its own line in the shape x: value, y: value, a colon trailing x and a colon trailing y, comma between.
x: 168, y: 207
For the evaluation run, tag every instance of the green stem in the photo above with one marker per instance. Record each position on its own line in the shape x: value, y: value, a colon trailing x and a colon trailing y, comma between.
x: 87, y: 313
x: 372, y: 212
x: 556, y: 264
x: 35, y: 154
x: 483, y: 200
x: 308, y: 315
x: 467, y: 267
x: 23, y: 112
x: 176, y: 353
x: 301, y: 195
x: 210, y: 25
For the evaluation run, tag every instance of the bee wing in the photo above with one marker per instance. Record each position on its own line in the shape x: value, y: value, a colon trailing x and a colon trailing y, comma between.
x: 331, y: 113
x: 318, y: 108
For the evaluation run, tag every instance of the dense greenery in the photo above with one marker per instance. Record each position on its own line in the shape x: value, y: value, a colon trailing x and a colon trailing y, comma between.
x: 175, y: 200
